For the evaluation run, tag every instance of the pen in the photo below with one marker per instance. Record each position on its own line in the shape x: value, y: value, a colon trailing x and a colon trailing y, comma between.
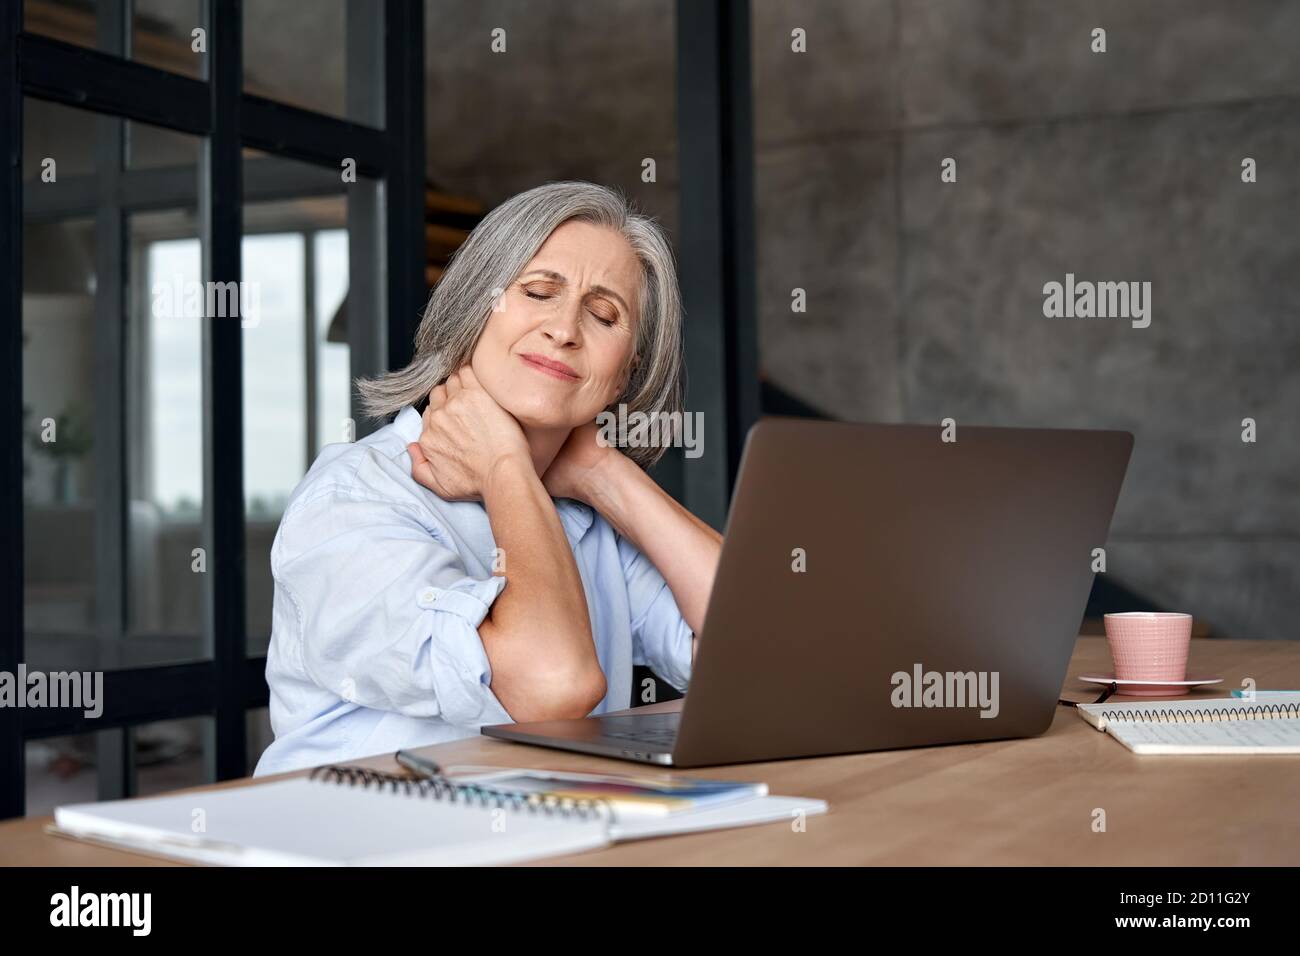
x: 420, y: 765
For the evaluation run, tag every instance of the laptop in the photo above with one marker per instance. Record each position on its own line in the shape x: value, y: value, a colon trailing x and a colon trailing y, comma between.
x: 880, y: 587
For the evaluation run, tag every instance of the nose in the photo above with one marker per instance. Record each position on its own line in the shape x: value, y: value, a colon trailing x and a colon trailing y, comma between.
x: 562, y: 326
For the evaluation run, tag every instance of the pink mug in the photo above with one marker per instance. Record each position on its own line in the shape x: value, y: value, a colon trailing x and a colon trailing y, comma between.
x: 1149, y: 645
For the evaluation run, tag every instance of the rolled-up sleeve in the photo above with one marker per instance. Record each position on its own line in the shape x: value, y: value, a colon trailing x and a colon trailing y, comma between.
x: 388, y: 616
x: 661, y: 638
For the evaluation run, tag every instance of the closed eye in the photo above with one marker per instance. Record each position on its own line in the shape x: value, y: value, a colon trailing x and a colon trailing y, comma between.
x: 542, y: 297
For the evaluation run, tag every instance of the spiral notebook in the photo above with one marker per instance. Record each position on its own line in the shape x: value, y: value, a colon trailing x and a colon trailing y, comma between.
x: 1266, y: 725
x: 351, y: 816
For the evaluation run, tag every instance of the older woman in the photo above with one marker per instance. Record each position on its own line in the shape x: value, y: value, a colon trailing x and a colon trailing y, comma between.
x: 487, y: 556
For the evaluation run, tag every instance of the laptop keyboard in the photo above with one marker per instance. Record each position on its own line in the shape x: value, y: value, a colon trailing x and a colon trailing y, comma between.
x: 666, y: 737
x: 660, y: 729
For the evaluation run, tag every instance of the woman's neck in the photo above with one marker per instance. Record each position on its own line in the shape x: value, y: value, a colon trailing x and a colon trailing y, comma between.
x: 544, y: 444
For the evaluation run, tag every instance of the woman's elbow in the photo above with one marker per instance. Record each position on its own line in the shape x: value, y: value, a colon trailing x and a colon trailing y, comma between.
x: 557, y: 694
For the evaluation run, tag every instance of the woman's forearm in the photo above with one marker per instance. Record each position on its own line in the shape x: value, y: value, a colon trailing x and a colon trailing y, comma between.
x: 683, y: 548
x: 538, y: 635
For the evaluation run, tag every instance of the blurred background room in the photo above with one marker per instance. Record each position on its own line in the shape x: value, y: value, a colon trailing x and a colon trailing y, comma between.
x: 794, y: 151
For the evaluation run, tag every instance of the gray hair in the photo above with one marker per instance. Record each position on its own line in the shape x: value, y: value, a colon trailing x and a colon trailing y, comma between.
x: 490, y: 260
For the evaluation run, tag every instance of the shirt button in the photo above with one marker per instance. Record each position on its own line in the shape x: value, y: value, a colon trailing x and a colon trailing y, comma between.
x: 429, y: 596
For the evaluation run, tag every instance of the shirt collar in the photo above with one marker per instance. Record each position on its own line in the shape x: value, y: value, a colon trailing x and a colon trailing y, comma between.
x: 574, y: 515
x: 409, y: 423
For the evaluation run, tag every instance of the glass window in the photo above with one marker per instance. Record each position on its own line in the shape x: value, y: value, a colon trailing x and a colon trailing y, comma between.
x: 275, y: 424
x: 165, y: 755
x: 58, y: 144
x: 162, y: 35
x: 333, y: 375
x: 161, y: 31
x: 60, y: 486
x: 165, y: 420
x: 326, y: 56
x: 171, y: 349
x: 152, y: 147
x: 60, y: 770
x: 258, y: 734
x: 298, y: 357
x: 112, y: 397
x: 172, y: 754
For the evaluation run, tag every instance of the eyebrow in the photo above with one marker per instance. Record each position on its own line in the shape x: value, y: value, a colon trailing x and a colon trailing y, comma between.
x: 602, y: 290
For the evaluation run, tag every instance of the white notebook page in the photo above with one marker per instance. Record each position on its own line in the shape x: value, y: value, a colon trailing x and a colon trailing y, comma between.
x: 1265, y: 725
x: 304, y: 822
x: 1229, y: 736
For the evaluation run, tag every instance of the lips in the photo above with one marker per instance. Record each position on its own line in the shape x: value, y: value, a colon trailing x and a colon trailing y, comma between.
x: 550, y: 366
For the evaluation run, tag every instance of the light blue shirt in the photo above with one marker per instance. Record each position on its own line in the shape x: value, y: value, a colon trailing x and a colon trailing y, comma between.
x: 380, y: 587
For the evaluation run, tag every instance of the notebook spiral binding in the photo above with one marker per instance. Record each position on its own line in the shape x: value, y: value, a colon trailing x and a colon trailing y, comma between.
x: 1208, y: 716
x: 468, y: 794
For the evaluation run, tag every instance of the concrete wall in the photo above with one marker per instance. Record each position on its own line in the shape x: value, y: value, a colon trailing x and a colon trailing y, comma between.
x: 925, y: 298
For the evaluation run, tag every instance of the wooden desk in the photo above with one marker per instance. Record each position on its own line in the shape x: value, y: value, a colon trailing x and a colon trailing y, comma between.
x: 1007, y: 802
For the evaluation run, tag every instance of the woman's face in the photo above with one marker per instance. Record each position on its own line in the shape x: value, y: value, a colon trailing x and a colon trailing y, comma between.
x: 557, y: 348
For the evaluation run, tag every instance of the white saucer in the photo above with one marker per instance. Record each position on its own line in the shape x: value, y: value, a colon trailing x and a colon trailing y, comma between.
x: 1153, y: 688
